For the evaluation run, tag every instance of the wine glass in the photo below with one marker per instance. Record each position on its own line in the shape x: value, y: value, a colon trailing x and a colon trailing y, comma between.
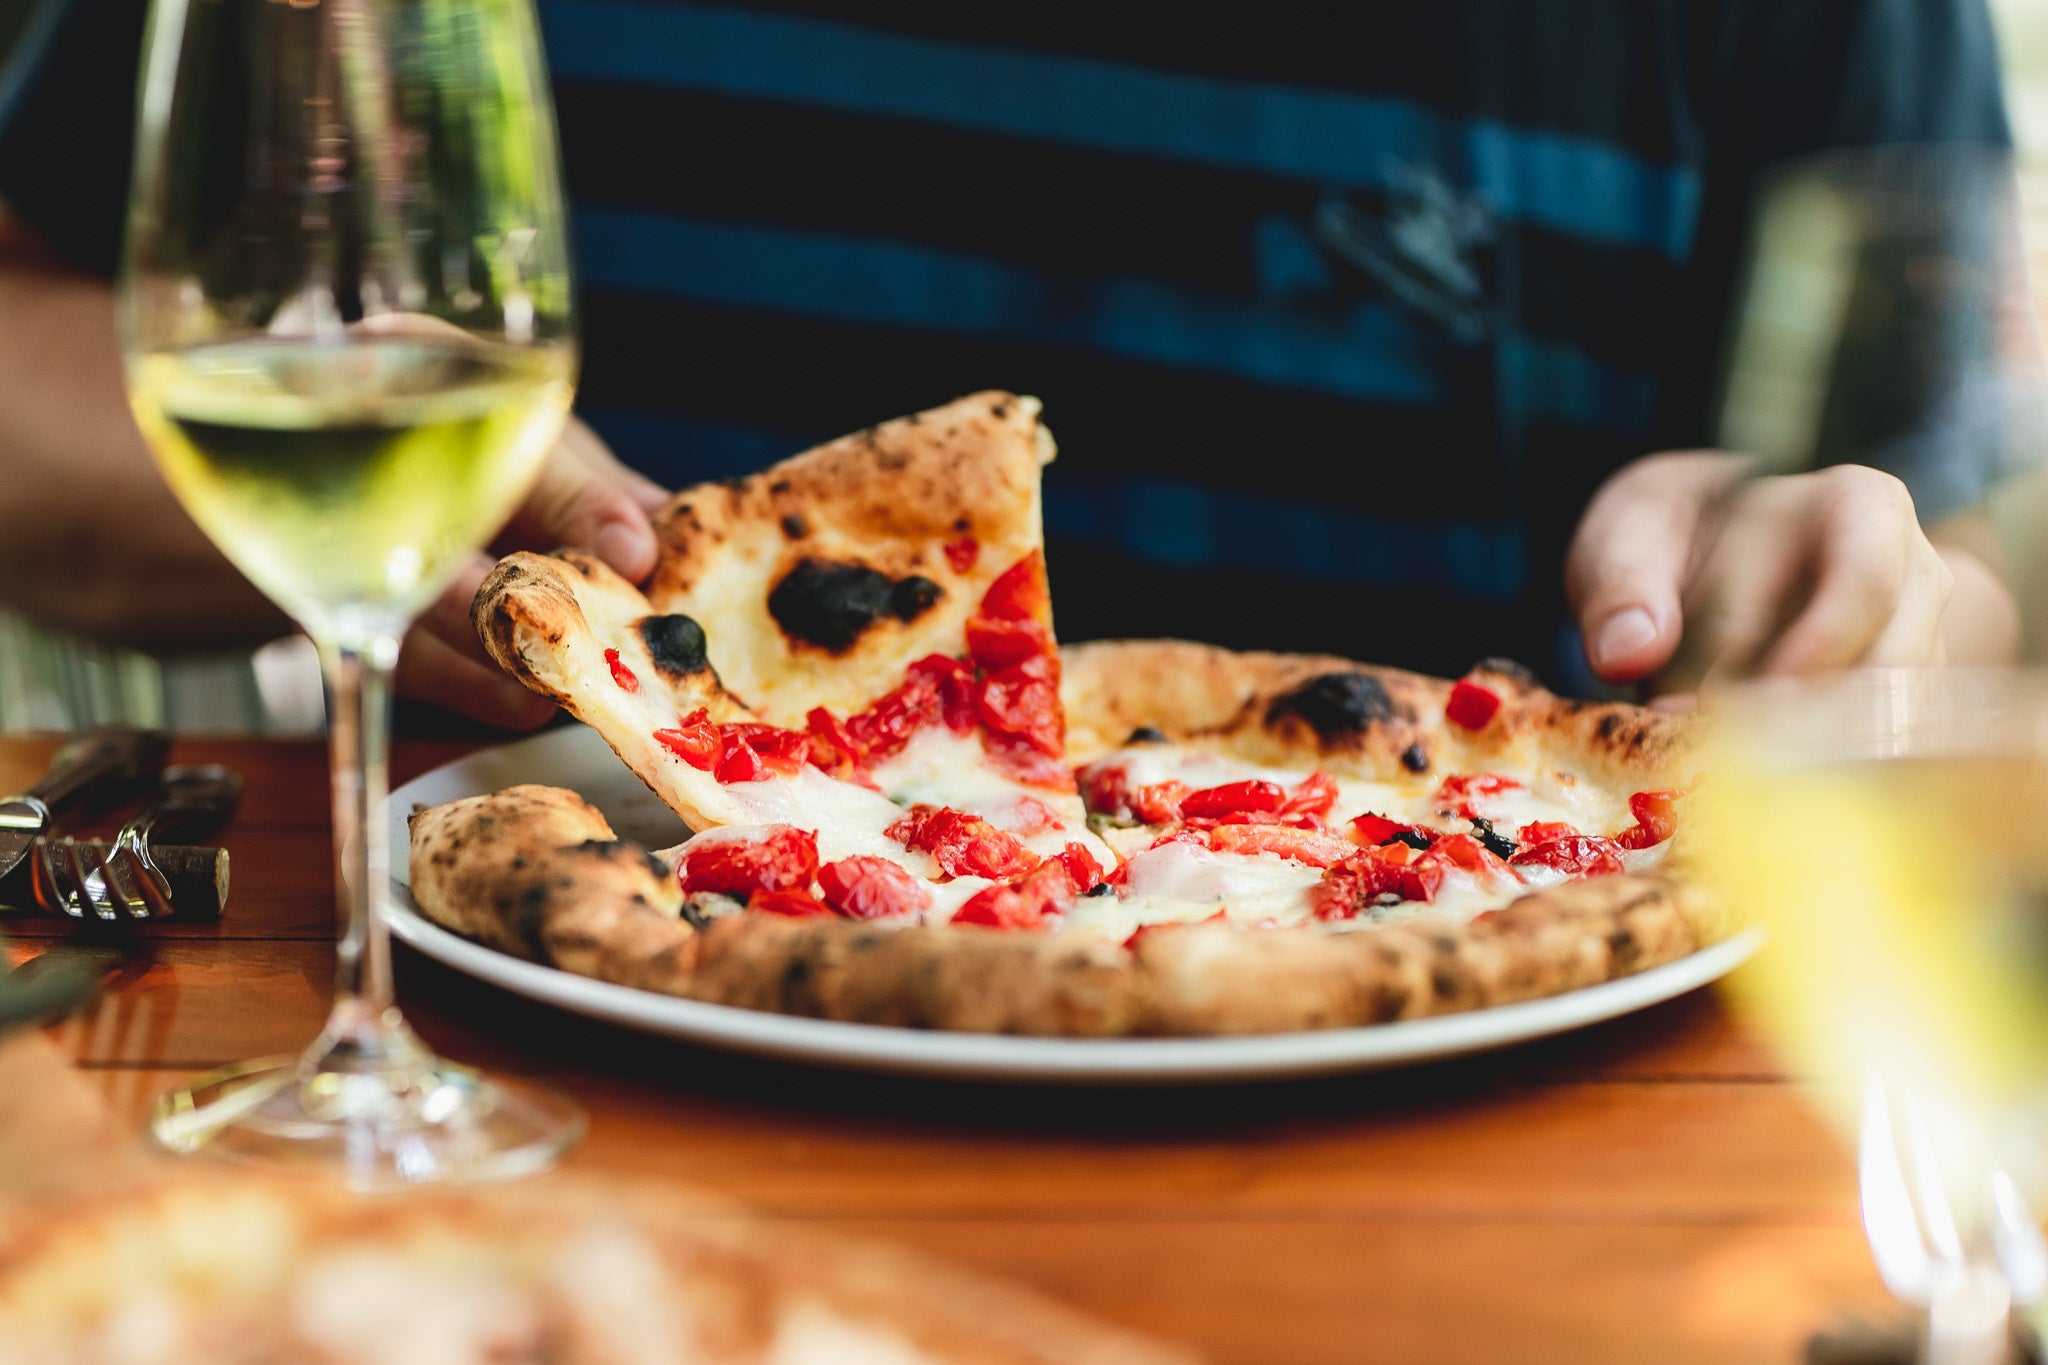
x: 1889, y: 829
x: 346, y: 312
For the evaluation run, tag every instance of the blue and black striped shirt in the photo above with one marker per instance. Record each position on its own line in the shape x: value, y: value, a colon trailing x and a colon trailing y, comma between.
x: 1340, y: 313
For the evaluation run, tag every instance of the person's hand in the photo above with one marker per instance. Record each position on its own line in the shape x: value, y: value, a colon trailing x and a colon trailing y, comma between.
x: 1685, y: 567
x: 584, y: 498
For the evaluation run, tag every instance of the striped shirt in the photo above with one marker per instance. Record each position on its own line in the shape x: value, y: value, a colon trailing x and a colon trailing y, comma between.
x: 1340, y: 313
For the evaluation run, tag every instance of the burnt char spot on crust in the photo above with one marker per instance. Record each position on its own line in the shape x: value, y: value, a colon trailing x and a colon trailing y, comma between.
x: 1609, y: 723
x: 1336, y: 704
x: 831, y: 604
x: 795, y: 527
x: 1508, y: 668
x: 676, y: 644
x: 1415, y: 758
x: 528, y: 916
x: 1146, y: 734
x: 912, y: 597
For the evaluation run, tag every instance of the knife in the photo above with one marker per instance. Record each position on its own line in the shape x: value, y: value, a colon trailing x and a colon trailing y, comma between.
x: 91, y: 772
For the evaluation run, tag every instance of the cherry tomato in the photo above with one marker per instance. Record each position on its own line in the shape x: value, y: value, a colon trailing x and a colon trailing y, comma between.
x: 1465, y: 852
x: 694, y: 740
x: 996, y: 644
x: 1575, y: 855
x: 1297, y: 845
x: 963, y: 845
x: 794, y: 904
x: 1314, y: 795
x: 1082, y: 869
x: 1356, y: 883
x: 1019, y: 592
x: 627, y: 680
x: 1233, y: 797
x: 953, y: 683
x: 832, y: 749
x: 1543, y: 831
x: 1471, y: 706
x: 1023, y: 904
x: 864, y: 887
x: 784, y: 858
x: 1023, y: 701
x: 1159, y: 803
x: 1656, y: 814
x: 780, y: 750
x: 935, y: 690
x: 962, y: 553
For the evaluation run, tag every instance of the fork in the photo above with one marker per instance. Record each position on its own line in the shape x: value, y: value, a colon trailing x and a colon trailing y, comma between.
x: 1924, y: 1253
x: 78, y: 881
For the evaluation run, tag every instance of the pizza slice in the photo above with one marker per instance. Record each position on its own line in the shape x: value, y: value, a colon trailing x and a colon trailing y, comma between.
x: 847, y: 656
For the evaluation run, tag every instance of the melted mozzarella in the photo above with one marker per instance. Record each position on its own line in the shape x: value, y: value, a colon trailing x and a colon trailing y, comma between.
x: 1187, y: 883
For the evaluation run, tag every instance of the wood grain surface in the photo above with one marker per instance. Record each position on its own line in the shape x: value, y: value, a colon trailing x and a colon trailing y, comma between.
x: 1649, y: 1190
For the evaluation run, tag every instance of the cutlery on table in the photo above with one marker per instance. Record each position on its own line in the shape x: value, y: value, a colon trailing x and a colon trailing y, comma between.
x: 91, y: 772
x: 195, y: 800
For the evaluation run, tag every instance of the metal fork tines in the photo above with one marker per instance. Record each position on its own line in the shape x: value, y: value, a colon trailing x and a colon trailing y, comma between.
x: 80, y: 881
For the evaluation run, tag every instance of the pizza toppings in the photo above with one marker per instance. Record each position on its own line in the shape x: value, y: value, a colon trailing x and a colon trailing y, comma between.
x: 781, y: 858
x: 1471, y: 706
x: 864, y: 887
x: 1025, y: 904
x: 625, y: 677
x: 962, y: 553
x: 794, y: 904
x: 1656, y: 814
x: 1575, y: 855
x: 694, y: 740
x: 962, y: 845
x: 1299, y: 845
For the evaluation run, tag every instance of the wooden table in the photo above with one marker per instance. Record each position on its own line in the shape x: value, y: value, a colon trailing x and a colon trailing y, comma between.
x: 1649, y: 1190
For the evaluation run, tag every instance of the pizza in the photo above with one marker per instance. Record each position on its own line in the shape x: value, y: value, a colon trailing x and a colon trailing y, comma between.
x: 910, y: 806
x: 570, y: 1272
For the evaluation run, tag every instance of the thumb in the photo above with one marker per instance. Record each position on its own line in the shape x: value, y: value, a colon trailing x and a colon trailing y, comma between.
x: 1627, y: 565
x: 585, y: 498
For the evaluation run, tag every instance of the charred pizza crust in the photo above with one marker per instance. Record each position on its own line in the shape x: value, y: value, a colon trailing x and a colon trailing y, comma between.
x: 1189, y: 980
x: 1355, y: 720
x: 562, y: 1270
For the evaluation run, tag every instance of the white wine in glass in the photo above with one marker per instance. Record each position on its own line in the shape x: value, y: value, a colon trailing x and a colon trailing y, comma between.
x: 1889, y: 829
x: 346, y: 310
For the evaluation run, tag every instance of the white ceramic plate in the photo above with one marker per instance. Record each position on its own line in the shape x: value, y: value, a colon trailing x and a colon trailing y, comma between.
x: 578, y: 759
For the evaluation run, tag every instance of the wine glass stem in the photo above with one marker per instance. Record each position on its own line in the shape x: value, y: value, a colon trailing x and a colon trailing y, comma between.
x: 359, y: 703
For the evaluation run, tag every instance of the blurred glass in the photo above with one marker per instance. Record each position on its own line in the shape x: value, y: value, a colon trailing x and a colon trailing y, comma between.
x: 1887, y: 320
x: 1886, y: 829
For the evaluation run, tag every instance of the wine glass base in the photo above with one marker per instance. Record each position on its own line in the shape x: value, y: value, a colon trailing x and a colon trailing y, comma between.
x: 435, y: 1123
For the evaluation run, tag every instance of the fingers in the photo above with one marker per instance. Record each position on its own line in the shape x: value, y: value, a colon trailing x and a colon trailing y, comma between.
x: 430, y: 669
x: 1630, y: 558
x: 586, y: 498
x: 1809, y: 573
x: 1879, y: 588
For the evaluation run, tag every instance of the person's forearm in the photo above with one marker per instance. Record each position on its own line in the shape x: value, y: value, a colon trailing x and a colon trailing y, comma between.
x: 90, y: 537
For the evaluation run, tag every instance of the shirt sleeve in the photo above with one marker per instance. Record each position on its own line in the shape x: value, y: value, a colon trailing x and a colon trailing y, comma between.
x: 67, y: 126
x: 1852, y: 94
